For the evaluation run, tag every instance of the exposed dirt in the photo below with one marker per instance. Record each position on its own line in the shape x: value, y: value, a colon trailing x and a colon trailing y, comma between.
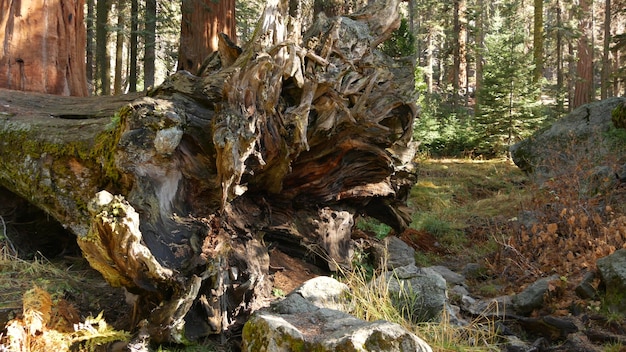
x: 289, y: 273
x: 423, y: 241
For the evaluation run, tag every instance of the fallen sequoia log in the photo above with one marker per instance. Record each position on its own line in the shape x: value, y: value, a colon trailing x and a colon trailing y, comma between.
x: 177, y: 195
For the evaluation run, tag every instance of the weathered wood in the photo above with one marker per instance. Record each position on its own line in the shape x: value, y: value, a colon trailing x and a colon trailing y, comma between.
x: 57, y: 152
x: 282, y: 145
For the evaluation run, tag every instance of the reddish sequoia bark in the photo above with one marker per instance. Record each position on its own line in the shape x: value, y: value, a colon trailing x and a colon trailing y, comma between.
x: 202, y: 21
x: 43, y: 46
x: 281, y: 146
x: 584, y: 67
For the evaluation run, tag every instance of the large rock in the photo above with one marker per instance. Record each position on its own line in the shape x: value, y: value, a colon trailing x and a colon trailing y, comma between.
x: 419, y: 292
x: 532, y: 297
x: 612, y: 269
x: 450, y: 276
x: 303, y: 322
x: 393, y: 253
x: 580, y: 129
x: 325, y: 330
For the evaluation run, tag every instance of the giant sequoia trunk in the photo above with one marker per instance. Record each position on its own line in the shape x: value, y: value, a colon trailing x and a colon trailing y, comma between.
x: 178, y: 194
x: 202, y: 21
x: 43, y: 46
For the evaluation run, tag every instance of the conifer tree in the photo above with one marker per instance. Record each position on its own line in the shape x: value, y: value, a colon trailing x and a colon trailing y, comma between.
x: 507, y: 96
x: 401, y: 43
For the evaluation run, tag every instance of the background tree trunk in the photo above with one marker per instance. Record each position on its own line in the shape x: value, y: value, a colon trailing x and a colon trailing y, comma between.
x: 560, y: 103
x: 149, y: 57
x: 605, y: 83
x: 480, y: 51
x: 119, y: 47
x: 103, y: 59
x: 202, y: 21
x: 538, y: 40
x: 134, y: 26
x: 178, y: 197
x: 91, y: 39
x: 459, y: 67
x: 43, y: 46
x: 584, y: 66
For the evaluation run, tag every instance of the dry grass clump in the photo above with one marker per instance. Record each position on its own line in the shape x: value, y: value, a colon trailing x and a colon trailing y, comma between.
x: 44, y: 320
x: 47, y: 325
x: 368, y: 299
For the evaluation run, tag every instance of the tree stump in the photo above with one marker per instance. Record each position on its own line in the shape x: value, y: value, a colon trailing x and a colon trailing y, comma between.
x: 178, y: 197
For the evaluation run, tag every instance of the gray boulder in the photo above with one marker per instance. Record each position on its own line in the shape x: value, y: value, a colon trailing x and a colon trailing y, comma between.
x: 543, y: 152
x: 612, y: 269
x: 326, y: 330
x: 585, y: 289
x: 303, y: 322
x: 316, y: 293
x: 450, y: 276
x: 498, y: 306
x: 394, y: 253
x: 419, y: 292
x: 532, y: 297
x: 323, y: 292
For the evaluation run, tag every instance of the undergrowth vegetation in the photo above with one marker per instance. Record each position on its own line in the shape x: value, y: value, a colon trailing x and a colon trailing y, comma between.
x: 518, y: 229
x: 573, y: 217
x: 42, y: 297
x: 369, y: 300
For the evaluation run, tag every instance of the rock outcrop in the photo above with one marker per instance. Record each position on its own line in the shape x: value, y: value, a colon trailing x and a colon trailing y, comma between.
x: 307, y: 320
x: 612, y: 269
x: 421, y: 293
x: 316, y: 316
x: 579, y: 132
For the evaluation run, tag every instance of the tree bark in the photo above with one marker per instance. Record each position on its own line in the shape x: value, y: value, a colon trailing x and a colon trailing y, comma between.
x: 538, y: 40
x: 584, y: 66
x: 43, y: 46
x: 178, y: 197
x: 103, y: 59
x: 202, y: 22
x: 330, y: 8
x: 149, y: 57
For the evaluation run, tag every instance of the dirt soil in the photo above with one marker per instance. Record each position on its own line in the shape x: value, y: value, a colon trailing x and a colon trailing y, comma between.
x: 289, y: 273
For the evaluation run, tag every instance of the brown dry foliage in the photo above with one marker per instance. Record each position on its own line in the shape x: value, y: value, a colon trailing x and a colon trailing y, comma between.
x: 576, y: 225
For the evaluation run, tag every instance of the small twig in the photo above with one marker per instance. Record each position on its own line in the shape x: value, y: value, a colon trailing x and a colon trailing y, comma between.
x: 522, y: 260
x: 5, y: 237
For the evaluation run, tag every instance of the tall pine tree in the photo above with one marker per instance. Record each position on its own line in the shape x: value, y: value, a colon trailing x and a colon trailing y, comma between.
x: 508, y: 93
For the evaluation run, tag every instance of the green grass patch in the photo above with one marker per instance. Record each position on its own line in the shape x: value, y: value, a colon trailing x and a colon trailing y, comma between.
x: 454, y: 196
x: 373, y: 226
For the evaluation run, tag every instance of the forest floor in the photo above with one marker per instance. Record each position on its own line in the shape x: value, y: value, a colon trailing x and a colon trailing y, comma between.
x: 465, y: 211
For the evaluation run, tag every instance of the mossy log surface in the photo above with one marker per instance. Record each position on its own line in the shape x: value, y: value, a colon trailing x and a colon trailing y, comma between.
x: 57, y: 151
x: 177, y: 195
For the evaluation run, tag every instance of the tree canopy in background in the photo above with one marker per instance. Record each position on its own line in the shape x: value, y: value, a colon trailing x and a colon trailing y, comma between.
x: 470, y: 73
x: 510, y: 75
